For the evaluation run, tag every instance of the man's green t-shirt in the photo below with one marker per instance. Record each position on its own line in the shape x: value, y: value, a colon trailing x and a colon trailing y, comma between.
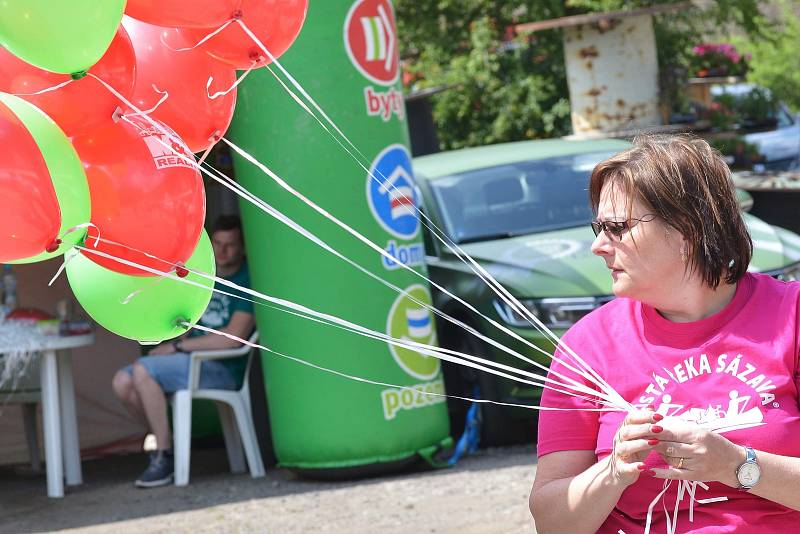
x: 220, y: 310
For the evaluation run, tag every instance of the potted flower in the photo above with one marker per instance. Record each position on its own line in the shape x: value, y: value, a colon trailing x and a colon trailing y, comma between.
x: 710, y: 60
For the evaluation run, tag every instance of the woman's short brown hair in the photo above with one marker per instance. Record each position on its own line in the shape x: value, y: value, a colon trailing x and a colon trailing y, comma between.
x: 688, y: 185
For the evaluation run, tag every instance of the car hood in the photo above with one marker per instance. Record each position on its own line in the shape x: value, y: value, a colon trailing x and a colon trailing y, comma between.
x: 556, y: 263
x: 773, y: 247
x: 560, y: 263
x: 776, y: 145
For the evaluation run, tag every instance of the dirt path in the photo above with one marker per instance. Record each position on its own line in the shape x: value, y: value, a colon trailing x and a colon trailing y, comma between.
x: 485, y: 493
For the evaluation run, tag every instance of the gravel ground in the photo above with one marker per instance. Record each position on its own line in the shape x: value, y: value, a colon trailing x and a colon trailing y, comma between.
x: 485, y: 493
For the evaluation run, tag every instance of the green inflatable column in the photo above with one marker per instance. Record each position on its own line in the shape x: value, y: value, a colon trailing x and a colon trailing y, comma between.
x: 346, y: 58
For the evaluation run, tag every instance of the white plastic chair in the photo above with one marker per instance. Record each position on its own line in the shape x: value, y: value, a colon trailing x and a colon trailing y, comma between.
x: 26, y: 391
x: 235, y: 414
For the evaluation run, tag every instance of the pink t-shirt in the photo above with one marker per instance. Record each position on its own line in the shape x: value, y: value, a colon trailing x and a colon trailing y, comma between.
x: 739, y: 366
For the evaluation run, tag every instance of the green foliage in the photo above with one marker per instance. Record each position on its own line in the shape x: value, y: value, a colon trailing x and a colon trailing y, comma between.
x: 499, y: 91
x: 775, y: 63
x: 507, y: 87
x: 753, y: 110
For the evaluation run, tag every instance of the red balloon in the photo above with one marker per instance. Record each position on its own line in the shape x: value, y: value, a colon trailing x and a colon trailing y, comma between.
x: 186, y: 13
x: 144, y: 197
x: 276, y: 23
x: 84, y: 102
x: 29, y: 214
x: 188, y: 110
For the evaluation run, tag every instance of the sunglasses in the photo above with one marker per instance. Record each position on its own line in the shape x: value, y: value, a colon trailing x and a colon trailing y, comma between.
x: 617, y: 229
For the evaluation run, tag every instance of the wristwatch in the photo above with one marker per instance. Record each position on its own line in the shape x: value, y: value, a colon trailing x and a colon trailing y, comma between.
x: 749, y: 473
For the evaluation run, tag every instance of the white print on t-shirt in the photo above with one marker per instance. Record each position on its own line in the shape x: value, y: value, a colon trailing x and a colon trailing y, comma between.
x: 735, y: 416
x: 218, y: 312
x: 687, y: 370
x: 739, y: 410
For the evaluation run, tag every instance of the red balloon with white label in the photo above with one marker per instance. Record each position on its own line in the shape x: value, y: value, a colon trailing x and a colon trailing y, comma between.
x: 148, y: 201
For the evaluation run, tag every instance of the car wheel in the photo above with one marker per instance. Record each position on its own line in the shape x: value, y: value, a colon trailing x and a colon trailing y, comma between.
x: 498, y: 426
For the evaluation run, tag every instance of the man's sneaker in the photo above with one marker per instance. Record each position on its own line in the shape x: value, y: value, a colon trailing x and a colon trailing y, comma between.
x: 159, y: 472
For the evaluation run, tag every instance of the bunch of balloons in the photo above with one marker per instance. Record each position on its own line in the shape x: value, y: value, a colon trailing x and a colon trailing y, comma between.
x: 102, y: 105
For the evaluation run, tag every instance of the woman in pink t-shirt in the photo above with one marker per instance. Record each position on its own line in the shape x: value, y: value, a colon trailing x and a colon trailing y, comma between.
x: 707, y: 353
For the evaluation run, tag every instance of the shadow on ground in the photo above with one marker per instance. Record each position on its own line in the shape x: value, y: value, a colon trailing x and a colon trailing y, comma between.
x: 108, y: 494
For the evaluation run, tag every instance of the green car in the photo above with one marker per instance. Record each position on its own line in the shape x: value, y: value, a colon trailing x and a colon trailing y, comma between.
x: 521, y: 210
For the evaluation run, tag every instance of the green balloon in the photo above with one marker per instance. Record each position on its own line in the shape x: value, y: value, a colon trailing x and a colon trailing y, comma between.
x: 65, y: 36
x: 152, y: 314
x: 66, y: 172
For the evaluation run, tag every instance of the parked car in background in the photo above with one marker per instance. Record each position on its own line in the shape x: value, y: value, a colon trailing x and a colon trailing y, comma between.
x: 521, y: 210
x: 753, y: 129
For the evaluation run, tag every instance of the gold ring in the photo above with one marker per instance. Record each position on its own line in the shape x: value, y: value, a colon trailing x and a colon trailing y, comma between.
x: 680, y: 463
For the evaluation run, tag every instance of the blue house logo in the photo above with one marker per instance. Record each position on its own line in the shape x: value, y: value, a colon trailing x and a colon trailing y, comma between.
x: 391, y: 193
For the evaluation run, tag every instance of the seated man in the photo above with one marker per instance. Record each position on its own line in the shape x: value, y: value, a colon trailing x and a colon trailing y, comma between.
x: 144, y: 386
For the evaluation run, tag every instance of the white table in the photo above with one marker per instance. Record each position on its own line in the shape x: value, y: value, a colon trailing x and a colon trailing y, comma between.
x: 59, y: 421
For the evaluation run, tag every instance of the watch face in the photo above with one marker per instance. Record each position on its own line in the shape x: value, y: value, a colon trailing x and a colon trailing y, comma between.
x: 748, y: 474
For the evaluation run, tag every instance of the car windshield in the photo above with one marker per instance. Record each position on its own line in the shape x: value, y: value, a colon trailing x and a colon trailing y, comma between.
x: 517, y: 198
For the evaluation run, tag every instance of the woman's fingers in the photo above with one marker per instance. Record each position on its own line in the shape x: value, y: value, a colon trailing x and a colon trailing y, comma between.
x: 673, y: 473
x: 633, y: 469
x: 639, y: 431
x: 638, y: 417
x: 674, y: 449
x: 629, y: 448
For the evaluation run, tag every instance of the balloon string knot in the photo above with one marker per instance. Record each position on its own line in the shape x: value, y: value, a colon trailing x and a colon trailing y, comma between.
x: 181, y: 271
x: 256, y: 57
x: 78, y: 75
x: 237, y: 15
x: 52, y: 247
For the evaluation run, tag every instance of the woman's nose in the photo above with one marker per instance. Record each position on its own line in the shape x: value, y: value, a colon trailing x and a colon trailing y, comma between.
x: 601, y: 246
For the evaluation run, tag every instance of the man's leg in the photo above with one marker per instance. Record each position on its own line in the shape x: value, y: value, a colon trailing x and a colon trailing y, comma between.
x: 154, y: 405
x: 123, y: 387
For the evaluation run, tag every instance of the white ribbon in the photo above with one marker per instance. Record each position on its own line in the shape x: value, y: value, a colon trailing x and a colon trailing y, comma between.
x: 155, y: 107
x: 684, y: 487
x: 201, y: 41
x: 606, y: 390
x: 485, y: 276
x: 47, y: 90
x: 368, y: 381
x: 239, y: 80
x: 429, y: 350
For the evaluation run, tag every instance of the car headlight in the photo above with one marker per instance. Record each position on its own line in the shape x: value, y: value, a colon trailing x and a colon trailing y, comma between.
x: 789, y: 273
x: 556, y: 313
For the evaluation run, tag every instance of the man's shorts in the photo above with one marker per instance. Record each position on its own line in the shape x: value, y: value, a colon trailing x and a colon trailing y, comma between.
x: 171, y: 371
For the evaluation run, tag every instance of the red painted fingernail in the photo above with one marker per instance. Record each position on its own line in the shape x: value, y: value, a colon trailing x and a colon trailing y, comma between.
x: 641, y: 467
x: 657, y: 417
x: 653, y: 442
x: 655, y: 429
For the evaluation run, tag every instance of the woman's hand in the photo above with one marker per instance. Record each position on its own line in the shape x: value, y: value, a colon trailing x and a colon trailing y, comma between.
x: 694, y: 453
x: 633, y: 442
